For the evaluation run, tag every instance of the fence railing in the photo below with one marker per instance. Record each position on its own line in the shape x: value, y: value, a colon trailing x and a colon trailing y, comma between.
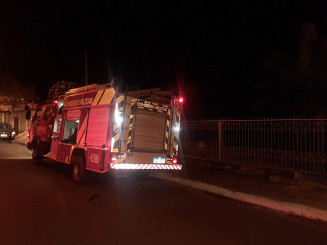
x: 295, y: 144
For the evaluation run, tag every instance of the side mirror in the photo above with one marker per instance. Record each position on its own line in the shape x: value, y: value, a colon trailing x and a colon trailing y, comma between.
x: 28, y: 115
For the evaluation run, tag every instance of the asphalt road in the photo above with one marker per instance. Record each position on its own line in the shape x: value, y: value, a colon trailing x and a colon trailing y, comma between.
x: 41, y: 205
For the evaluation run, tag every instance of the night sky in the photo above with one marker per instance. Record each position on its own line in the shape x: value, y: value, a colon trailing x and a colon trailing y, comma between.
x: 212, y: 50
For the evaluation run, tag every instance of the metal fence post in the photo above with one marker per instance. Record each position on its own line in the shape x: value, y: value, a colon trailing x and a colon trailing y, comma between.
x: 219, y: 140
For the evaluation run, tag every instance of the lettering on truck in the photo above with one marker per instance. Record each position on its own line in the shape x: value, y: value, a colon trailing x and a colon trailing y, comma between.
x: 94, y: 158
x: 151, y: 106
x: 80, y: 102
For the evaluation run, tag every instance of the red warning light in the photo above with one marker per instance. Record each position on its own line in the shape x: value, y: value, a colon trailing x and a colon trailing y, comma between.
x: 175, y: 161
x: 55, y: 101
x: 113, y: 157
x: 180, y: 100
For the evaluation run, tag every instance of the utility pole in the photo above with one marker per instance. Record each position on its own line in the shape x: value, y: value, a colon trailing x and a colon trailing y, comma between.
x: 85, y: 68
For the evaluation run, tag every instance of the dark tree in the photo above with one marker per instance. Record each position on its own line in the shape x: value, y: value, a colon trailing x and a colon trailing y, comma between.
x: 295, y: 80
x: 60, y: 88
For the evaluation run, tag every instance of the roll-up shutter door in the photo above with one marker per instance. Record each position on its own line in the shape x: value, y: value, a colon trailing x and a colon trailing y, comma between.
x: 97, y: 127
x: 149, y: 131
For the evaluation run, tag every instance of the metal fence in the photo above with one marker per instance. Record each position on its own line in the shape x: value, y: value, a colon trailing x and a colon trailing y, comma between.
x: 295, y: 144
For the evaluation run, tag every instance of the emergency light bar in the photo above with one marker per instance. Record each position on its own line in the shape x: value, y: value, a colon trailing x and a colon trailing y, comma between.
x: 179, y: 100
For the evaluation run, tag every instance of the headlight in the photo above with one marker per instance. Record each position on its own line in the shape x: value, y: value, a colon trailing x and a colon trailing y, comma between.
x: 13, y: 133
x: 176, y: 129
x: 118, y: 117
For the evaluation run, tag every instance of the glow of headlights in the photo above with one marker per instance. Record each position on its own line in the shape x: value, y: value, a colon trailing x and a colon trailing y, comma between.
x: 176, y: 129
x: 118, y: 118
x: 13, y: 133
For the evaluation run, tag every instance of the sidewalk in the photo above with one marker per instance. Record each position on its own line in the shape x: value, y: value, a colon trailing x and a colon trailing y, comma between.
x: 304, y: 196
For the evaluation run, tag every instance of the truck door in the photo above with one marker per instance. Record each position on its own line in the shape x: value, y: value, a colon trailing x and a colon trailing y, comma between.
x: 45, y: 126
x: 68, y: 134
x: 55, y: 137
x: 35, y: 122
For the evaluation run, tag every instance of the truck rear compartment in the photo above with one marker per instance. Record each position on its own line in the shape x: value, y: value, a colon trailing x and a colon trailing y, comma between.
x: 149, y: 132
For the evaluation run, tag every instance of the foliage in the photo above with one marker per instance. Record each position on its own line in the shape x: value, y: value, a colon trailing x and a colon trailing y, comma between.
x: 60, y: 88
x: 294, y: 81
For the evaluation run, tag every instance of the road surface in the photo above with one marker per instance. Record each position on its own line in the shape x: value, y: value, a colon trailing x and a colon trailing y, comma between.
x: 41, y: 205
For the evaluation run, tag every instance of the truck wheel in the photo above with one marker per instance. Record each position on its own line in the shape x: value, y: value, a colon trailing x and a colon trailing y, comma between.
x: 78, y: 169
x: 36, y: 157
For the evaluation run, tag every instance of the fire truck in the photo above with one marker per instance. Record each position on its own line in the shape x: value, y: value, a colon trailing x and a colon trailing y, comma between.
x: 101, y: 129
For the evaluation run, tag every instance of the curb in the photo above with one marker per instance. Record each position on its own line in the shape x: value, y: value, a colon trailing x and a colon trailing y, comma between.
x: 285, y: 207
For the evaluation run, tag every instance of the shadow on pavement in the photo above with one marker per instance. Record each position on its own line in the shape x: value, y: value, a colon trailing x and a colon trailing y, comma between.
x: 94, y: 178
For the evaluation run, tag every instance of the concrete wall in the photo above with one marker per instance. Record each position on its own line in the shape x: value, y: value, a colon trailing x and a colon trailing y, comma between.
x: 19, y: 113
x: 22, y: 123
x: 4, y: 116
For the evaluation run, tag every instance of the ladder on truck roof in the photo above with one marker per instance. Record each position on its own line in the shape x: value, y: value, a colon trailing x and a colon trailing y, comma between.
x: 154, y: 94
x: 89, y: 88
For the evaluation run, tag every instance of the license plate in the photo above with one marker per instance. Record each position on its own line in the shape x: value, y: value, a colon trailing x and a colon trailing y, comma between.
x: 159, y: 160
x: 4, y: 135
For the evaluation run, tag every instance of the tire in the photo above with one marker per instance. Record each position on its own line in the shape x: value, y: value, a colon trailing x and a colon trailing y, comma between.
x: 78, y: 169
x: 36, y: 157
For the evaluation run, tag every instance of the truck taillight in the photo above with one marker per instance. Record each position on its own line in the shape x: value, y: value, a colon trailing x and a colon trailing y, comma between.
x: 174, y: 160
x: 113, y: 158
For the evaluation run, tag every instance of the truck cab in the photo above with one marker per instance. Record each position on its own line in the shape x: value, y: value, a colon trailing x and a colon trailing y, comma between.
x: 41, y: 127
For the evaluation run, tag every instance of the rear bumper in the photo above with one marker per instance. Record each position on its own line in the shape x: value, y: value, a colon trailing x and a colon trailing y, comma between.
x: 145, y: 166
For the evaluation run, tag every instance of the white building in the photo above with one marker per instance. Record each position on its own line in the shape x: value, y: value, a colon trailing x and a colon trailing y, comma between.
x: 15, y: 116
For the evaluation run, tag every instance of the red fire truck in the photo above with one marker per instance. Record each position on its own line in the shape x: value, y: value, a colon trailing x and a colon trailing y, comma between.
x: 98, y: 128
